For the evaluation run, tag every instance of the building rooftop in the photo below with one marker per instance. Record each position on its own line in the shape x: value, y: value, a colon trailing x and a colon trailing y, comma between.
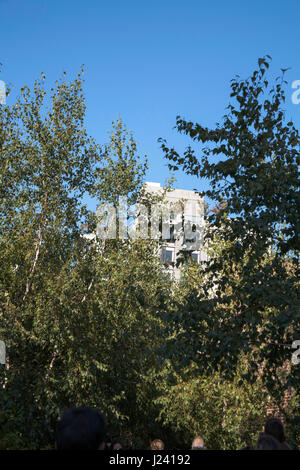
x: 175, y: 193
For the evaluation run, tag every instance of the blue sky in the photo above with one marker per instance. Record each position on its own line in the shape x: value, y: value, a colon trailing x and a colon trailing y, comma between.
x: 150, y: 61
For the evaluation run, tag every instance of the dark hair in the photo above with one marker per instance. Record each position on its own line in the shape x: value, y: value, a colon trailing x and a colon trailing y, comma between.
x: 80, y: 429
x: 274, y: 427
x: 267, y: 442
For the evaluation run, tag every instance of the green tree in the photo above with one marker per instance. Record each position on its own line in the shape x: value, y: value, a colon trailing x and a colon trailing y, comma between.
x: 81, y: 320
x: 248, y: 303
x: 226, y: 414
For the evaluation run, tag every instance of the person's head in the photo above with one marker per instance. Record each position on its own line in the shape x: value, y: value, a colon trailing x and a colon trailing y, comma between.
x: 267, y: 442
x: 117, y: 445
x: 274, y: 427
x: 198, y: 443
x: 80, y: 429
x: 157, y: 444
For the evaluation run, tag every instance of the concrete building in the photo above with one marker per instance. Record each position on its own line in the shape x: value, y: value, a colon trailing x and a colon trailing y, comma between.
x: 183, y: 228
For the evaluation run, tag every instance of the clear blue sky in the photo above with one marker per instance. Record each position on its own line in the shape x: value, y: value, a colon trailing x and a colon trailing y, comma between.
x: 150, y: 61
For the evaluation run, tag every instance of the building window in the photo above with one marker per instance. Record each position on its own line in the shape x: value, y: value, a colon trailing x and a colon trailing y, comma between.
x: 166, y: 255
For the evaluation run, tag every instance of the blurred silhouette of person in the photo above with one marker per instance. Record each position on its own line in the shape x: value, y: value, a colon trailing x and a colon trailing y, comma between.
x: 267, y: 442
x: 80, y: 429
x: 117, y: 445
x: 157, y: 444
x: 274, y: 427
x: 198, y: 443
